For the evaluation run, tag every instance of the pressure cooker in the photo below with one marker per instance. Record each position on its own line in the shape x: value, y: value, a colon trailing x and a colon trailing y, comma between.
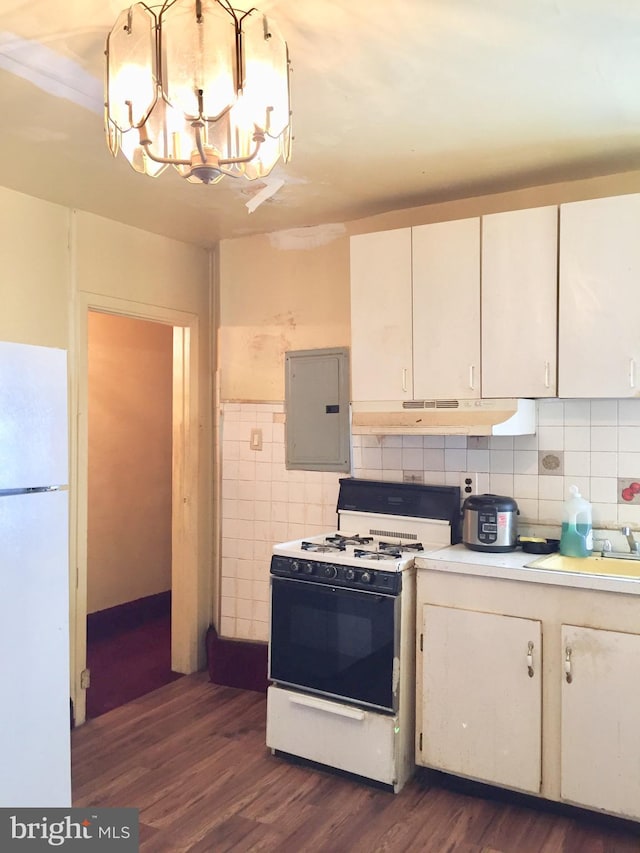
x: 490, y: 523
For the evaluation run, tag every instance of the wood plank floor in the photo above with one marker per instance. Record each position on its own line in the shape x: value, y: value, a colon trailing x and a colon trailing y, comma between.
x: 192, y: 757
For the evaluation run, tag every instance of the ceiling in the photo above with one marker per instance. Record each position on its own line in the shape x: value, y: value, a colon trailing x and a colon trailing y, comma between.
x: 395, y: 104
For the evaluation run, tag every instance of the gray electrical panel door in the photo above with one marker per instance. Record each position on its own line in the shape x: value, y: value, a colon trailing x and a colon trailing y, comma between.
x: 317, y: 410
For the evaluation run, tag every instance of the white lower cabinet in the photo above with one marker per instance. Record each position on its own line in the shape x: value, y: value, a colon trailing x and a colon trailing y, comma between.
x: 600, y: 741
x: 544, y: 700
x: 482, y: 701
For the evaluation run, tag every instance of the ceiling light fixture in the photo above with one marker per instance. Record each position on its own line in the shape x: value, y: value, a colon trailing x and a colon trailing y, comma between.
x: 199, y: 86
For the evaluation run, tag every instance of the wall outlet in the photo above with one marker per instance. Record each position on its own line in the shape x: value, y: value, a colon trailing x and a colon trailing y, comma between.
x: 468, y: 485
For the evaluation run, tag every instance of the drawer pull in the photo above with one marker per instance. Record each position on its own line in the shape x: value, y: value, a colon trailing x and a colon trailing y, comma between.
x: 328, y: 707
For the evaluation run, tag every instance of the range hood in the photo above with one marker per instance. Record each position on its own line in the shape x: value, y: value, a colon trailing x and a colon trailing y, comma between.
x: 444, y: 417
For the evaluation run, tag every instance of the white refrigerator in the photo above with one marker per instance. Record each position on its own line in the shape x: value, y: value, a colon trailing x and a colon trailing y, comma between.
x: 35, y: 754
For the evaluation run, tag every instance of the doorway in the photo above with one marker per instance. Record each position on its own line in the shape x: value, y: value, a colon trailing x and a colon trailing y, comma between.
x: 185, y: 581
x: 130, y: 385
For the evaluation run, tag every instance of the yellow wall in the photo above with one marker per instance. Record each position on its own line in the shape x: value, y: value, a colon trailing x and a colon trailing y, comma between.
x: 53, y: 258
x: 291, y: 291
x: 275, y: 299
x: 117, y: 261
x: 129, y: 485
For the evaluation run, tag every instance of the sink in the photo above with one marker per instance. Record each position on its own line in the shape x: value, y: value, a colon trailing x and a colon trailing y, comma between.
x: 620, y: 567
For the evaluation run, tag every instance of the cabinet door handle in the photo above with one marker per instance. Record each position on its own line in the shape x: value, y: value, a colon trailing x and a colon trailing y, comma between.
x: 471, y: 376
x: 404, y: 379
x: 632, y: 373
x: 567, y: 665
x: 530, y: 659
x: 547, y: 374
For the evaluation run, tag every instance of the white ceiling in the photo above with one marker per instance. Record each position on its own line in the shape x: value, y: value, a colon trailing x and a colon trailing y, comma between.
x: 396, y: 103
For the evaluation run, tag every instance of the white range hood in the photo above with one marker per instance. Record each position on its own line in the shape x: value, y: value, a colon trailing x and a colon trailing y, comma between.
x: 444, y: 417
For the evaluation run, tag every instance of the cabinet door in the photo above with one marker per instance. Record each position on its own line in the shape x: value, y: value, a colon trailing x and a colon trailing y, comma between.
x: 381, y: 348
x: 481, y: 708
x: 446, y: 310
x: 519, y: 303
x: 601, y: 720
x: 599, y: 344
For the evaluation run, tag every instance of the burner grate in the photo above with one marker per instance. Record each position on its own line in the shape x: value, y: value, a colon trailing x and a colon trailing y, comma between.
x: 341, y: 539
x: 323, y: 547
x: 364, y: 554
x: 400, y: 546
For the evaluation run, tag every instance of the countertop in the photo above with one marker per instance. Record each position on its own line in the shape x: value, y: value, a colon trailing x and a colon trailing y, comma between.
x: 512, y: 565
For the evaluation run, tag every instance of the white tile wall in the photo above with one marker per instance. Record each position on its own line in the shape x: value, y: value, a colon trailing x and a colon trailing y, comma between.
x: 599, y: 440
x: 263, y: 503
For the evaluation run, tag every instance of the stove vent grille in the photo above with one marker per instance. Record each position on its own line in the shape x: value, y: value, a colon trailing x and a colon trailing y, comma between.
x: 431, y: 404
x: 392, y: 534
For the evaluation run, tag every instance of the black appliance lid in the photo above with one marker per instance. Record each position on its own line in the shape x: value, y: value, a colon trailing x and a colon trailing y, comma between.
x: 414, y: 500
x: 500, y: 503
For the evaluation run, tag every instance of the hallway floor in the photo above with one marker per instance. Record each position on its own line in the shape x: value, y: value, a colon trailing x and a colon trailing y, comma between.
x: 128, y: 657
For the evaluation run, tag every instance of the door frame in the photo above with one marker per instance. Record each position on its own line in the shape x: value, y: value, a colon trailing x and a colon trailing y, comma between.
x: 184, y: 498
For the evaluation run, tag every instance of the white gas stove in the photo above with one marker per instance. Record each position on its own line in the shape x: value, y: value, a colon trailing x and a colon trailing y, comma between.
x: 381, y: 523
x: 389, y: 540
x: 341, y: 649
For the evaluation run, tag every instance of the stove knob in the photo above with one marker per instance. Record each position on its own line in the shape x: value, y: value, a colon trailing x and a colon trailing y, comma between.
x: 330, y: 571
x: 350, y: 574
x: 295, y: 566
x: 366, y: 577
x: 308, y: 568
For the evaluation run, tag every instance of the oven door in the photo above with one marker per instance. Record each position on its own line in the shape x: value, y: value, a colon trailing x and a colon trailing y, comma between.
x: 336, y: 642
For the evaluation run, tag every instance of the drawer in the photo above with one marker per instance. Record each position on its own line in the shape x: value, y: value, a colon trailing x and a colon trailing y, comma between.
x: 348, y: 738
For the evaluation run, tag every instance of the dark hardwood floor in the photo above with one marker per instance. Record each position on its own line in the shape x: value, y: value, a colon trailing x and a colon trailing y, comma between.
x: 192, y: 757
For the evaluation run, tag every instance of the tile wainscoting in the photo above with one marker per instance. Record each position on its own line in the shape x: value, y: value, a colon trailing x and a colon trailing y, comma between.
x: 596, y: 442
x: 262, y: 504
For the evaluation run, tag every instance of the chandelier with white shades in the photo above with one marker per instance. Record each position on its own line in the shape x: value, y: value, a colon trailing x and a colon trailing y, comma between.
x: 200, y: 86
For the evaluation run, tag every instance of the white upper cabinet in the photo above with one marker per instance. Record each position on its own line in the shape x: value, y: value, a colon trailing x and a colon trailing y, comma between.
x: 446, y: 310
x: 519, y: 303
x: 381, y: 311
x: 599, y: 342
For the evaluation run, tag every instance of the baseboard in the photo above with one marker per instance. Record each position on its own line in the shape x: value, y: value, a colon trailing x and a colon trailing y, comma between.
x: 236, y: 663
x: 104, y: 623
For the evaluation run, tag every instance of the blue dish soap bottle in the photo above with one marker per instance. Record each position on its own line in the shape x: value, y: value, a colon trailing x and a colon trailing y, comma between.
x: 576, y: 539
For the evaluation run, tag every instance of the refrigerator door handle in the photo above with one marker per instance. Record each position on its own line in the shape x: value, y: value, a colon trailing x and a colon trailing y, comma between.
x: 33, y: 490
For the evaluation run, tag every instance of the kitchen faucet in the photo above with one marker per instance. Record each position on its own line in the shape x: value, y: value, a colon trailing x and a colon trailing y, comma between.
x: 634, y: 545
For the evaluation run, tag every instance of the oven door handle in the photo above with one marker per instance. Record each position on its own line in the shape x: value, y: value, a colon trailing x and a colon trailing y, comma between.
x: 328, y: 707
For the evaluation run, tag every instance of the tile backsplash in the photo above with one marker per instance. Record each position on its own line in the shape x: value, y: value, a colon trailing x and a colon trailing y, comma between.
x: 594, y: 444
